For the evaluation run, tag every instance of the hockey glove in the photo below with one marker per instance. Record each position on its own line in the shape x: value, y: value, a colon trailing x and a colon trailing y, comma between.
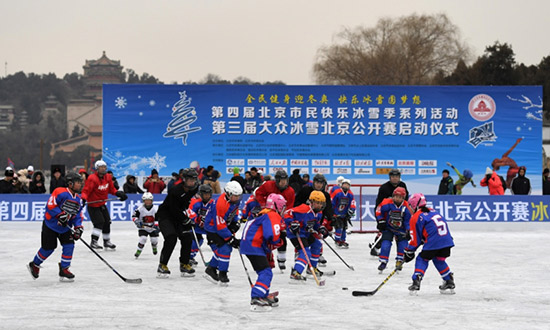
x: 327, y: 224
x: 157, y: 230
x: 408, y: 255
x: 235, y: 243
x: 77, y: 232
x: 83, y: 201
x: 63, y: 219
x: 138, y: 222
x: 234, y: 226
x: 408, y: 235
x: 381, y: 226
x: 295, y: 227
x: 121, y: 195
x: 323, y: 231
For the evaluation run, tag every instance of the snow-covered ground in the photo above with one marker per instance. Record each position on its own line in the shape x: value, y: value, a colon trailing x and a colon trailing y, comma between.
x: 501, y: 272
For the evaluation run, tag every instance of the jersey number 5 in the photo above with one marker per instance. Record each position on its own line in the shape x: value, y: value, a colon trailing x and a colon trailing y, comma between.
x: 441, y: 225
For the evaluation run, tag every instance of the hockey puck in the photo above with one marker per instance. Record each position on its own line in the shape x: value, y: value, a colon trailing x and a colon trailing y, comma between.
x: 344, y: 288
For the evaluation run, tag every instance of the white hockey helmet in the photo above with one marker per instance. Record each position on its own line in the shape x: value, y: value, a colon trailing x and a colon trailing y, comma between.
x: 146, y: 196
x: 100, y: 163
x: 233, y: 188
x: 339, y: 180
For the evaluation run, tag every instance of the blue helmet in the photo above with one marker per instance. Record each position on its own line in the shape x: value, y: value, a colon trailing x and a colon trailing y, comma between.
x: 468, y: 174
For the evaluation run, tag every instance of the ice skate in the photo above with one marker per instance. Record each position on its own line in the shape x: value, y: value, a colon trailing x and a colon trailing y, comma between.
x: 297, y: 278
x: 382, y: 266
x: 155, y: 251
x: 281, y: 263
x: 187, y: 270
x: 163, y: 271
x: 109, y: 246
x: 137, y: 254
x: 95, y: 245
x: 273, y: 300
x: 260, y: 305
x: 448, y: 286
x: 193, y: 262
x: 399, y: 265
x: 65, y: 274
x: 224, y: 280
x: 415, y: 286
x: 317, y: 272
x: 322, y: 261
x: 211, y: 275
x: 342, y: 245
x: 33, y: 269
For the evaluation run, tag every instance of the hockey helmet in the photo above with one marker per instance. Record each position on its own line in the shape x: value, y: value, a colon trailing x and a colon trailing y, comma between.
x: 71, y: 178
x: 399, y: 191
x: 204, y: 190
x: 147, y: 196
x: 394, y: 172
x: 189, y: 173
x: 281, y: 175
x: 417, y: 200
x: 339, y: 180
x: 276, y: 202
x: 345, y: 185
x: 319, y: 197
x: 100, y: 163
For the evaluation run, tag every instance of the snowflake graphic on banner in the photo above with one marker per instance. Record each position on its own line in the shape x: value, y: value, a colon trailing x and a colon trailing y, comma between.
x: 536, y: 113
x: 121, y: 102
x: 123, y: 165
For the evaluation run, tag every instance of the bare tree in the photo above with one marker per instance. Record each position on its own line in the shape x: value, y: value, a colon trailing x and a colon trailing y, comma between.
x: 408, y: 50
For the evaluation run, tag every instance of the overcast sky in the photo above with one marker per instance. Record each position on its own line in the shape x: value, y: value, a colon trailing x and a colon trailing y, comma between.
x: 184, y: 40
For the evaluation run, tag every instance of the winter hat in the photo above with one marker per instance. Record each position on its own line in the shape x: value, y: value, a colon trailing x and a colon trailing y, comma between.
x: 154, y: 171
x: 236, y: 170
x: 30, y: 168
x: 488, y: 171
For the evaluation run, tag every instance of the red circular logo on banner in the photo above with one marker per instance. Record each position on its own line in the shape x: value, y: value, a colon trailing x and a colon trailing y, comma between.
x: 482, y: 107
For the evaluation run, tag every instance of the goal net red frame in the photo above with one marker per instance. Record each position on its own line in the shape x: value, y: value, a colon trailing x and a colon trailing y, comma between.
x: 359, y: 191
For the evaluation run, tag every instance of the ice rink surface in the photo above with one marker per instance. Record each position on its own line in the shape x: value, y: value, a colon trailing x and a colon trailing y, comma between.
x: 502, y: 273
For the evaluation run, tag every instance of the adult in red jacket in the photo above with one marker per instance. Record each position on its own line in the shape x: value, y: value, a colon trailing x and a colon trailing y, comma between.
x: 154, y: 184
x: 96, y: 190
x: 493, y: 182
x: 279, y: 186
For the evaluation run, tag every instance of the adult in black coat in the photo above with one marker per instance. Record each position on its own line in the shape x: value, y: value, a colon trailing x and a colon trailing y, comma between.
x: 175, y: 224
x: 520, y: 184
x: 130, y: 186
x: 36, y: 185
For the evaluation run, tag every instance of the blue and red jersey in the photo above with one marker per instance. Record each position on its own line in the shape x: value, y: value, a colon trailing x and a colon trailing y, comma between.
x: 342, y: 202
x: 334, y: 190
x: 53, y: 209
x: 431, y: 229
x: 225, y: 213
x: 309, y: 220
x: 251, y: 207
x: 262, y: 233
x: 204, y: 213
x: 397, y: 217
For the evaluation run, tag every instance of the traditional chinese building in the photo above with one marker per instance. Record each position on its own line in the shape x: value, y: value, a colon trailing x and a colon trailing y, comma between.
x: 87, y: 112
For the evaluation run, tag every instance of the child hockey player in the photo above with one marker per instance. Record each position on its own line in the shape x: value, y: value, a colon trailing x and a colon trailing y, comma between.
x: 63, y: 211
x: 144, y: 219
x: 261, y: 235
x: 251, y: 207
x: 302, y: 221
x: 429, y: 227
x: 393, y: 217
x: 220, y: 229
x: 203, y: 207
x: 343, y: 204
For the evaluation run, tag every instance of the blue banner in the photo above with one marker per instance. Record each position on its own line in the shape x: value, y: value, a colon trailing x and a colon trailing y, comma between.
x: 360, y: 132
x: 31, y: 207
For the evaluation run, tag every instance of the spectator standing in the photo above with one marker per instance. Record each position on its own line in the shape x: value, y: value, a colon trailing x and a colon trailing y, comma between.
x: 37, y: 183
x: 546, y: 182
x: 115, y: 182
x: 520, y: 184
x: 237, y: 177
x: 446, y: 186
x: 130, y: 186
x: 30, y: 172
x: 6, y: 185
x: 210, y: 177
x: 154, y: 184
x: 175, y: 178
x: 22, y: 182
x: 307, y: 181
x: 296, y: 181
x: 57, y: 180
x: 494, y: 182
x: 255, y: 179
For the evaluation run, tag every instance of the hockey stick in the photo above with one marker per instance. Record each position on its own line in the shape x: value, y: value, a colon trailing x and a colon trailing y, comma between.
x: 198, y: 245
x: 245, y: 269
x: 104, y: 200
x: 371, y: 293
x: 336, y: 253
x: 127, y: 280
x: 319, y: 283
